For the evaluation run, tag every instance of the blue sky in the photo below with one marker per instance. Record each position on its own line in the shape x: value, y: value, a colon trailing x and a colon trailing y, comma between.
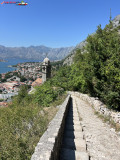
x: 53, y: 23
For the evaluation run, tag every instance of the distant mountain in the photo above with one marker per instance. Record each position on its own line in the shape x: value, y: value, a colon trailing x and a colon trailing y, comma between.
x: 34, y: 52
x: 69, y: 59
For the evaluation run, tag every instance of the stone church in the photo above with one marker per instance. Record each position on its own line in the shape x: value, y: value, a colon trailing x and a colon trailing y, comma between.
x: 46, y: 70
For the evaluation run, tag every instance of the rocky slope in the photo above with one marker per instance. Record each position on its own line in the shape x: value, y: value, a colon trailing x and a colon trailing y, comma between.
x: 69, y: 59
x: 38, y: 52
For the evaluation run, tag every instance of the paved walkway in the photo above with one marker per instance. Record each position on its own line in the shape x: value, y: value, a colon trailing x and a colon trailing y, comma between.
x: 86, y: 136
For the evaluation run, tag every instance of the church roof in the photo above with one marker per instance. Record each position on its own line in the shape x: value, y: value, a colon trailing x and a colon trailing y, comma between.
x: 37, y: 82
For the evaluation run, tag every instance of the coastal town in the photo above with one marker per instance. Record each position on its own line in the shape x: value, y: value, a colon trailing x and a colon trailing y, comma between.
x: 29, y: 73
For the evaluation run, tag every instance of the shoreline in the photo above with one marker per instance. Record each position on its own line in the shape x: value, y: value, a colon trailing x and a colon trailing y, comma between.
x: 2, y: 60
x: 10, y: 64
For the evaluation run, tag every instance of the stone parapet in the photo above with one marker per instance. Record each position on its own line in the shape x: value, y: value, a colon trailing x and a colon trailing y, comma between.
x: 98, y: 106
x: 48, y: 147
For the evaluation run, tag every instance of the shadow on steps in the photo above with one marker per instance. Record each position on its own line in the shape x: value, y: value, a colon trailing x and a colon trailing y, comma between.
x: 68, y: 146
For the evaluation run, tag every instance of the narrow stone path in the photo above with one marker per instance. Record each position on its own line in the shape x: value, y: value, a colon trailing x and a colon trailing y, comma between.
x: 102, y: 142
x: 87, y: 137
x: 73, y: 145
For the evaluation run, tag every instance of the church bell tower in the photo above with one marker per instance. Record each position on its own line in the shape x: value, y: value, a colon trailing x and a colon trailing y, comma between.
x: 46, y: 70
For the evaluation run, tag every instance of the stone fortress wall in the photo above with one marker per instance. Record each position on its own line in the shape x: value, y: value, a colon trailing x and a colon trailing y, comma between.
x: 50, y: 143
x: 48, y: 147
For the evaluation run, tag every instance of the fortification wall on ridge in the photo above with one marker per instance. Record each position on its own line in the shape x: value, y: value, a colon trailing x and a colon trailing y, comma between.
x: 50, y: 143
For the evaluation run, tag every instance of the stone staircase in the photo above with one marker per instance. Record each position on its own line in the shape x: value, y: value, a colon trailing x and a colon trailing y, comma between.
x: 73, y: 145
x: 77, y: 133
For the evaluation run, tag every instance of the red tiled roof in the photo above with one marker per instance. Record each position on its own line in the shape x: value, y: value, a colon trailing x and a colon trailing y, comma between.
x: 37, y: 82
x: 3, y: 103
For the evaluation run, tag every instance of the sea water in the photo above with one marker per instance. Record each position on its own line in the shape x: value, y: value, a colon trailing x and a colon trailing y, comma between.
x: 4, y: 66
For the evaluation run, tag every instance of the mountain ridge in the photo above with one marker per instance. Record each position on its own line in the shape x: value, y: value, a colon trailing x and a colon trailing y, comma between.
x: 38, y: 52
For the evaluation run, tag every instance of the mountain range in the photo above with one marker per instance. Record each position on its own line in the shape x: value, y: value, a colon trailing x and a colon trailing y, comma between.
x: 39, y: 52
x: 34, y: 52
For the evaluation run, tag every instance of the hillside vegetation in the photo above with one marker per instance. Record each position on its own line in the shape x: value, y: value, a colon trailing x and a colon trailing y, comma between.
x: 97, y: 71
x: 24, y: 121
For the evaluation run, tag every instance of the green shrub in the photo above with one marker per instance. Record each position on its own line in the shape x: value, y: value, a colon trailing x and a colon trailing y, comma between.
x: 46, y: 94
x: 1, y: 100
x: 22, y: 123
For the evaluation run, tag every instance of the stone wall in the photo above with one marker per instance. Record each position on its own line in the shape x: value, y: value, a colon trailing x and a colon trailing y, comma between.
x: 50, y: 143
x: 99, y: 106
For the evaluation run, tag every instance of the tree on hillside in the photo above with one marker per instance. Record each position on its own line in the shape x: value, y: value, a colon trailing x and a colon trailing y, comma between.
x: 103, y: 58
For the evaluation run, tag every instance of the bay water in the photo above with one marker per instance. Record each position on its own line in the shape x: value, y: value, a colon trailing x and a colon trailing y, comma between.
x: 4, y: 66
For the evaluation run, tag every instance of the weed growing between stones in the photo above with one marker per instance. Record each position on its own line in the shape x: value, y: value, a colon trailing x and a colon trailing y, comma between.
x: 108, y: 120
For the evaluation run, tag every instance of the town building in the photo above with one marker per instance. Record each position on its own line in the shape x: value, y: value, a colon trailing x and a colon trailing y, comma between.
x: 46, y: 70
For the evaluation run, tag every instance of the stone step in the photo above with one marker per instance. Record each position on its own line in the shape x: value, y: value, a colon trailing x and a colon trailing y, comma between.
x: 74, y: 122
x: 74, y: 144
x: 72, y: 114
x: 73, y: 134
x: 72, y: 119
x: 75, y: 111
x: 73, y: 108
x: 73, y: 127
x: 67, y: 154
x: 76, y: 118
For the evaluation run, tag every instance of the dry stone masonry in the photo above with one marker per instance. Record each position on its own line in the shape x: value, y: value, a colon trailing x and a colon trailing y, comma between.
x: 99, y: 106
x: 74, y: 144
x: 103, y: 143
x: 50, y: 143
x: 76, y: 133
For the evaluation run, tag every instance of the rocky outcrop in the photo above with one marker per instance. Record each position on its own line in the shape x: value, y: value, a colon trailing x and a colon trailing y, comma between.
x: 69, y: 59
x: 116, y: 21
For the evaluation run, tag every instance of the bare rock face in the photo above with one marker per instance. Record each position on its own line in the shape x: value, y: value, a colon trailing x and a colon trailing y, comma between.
x: 116, y: 21
x: 69, y: 59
